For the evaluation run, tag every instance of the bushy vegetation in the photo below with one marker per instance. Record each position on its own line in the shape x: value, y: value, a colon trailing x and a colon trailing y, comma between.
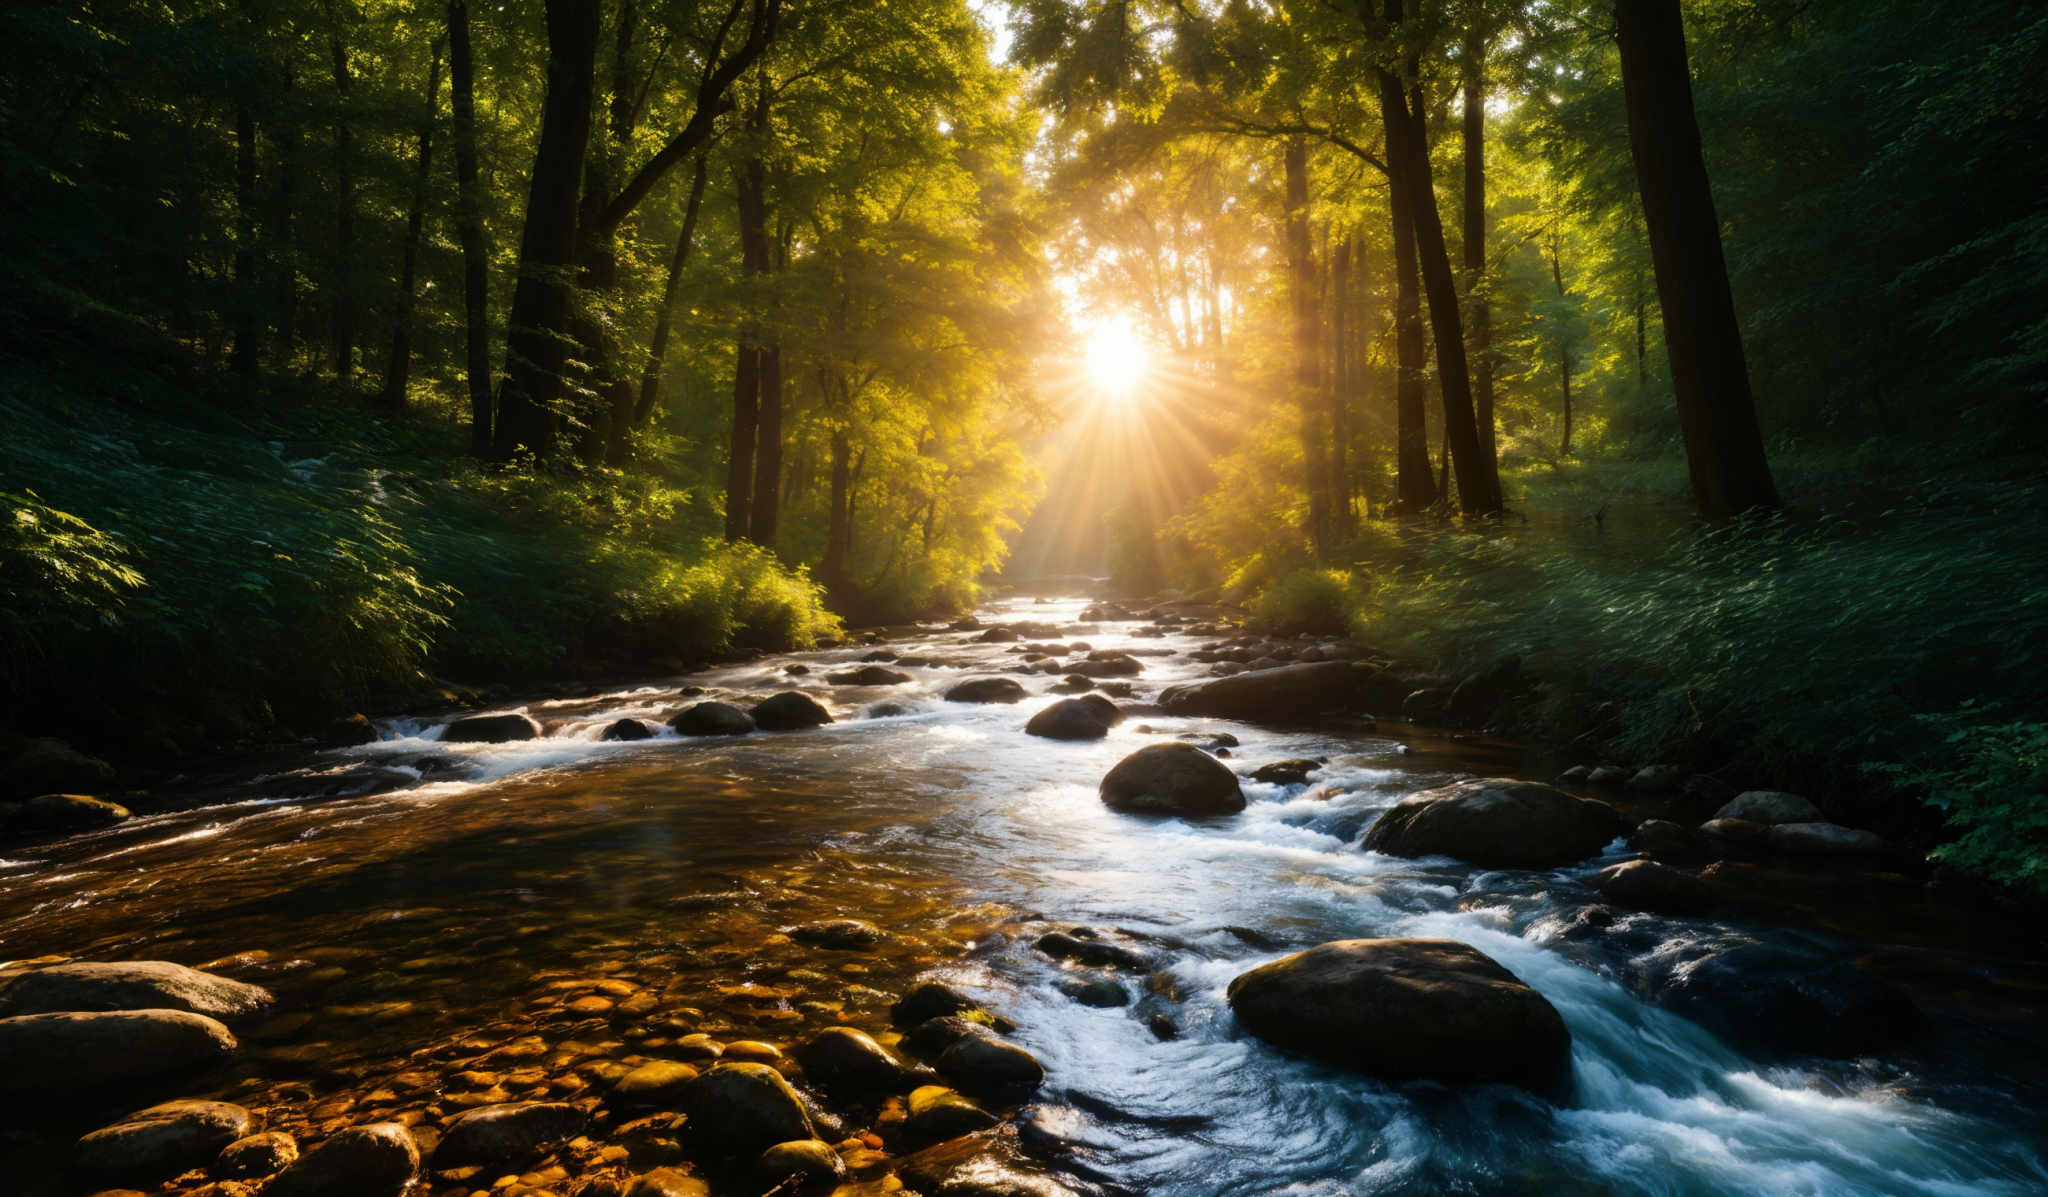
x: 176, y: 579
x: 1990, y: 775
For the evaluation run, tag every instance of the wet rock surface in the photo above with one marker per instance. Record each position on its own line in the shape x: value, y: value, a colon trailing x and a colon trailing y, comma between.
x: 58, y: 1054
x: 1172, y: 779
x: 153, y: 1145
x: 1496, y: 822
x: 79, y: 986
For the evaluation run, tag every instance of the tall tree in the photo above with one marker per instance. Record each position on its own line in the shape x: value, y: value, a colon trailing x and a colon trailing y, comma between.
x: 750, y: 189
x: 664, y: 316
x: 398, y: 368
x: 469, y: 226
x: 344, y: 300
x: 1303, y: 287
x: 1724, y: 446
x: 1414, y: 485
x: 536, y: 342
x: 1478, y: 311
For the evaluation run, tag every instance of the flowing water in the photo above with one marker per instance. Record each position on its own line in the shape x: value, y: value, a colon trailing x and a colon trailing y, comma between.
x: 481, y: 895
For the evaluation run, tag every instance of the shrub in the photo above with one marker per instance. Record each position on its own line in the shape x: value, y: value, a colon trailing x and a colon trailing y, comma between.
x: 1317, y: 601
x: 1991, y: 779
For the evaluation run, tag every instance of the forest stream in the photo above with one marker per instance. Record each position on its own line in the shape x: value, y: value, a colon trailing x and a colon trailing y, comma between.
x: 605, y: 899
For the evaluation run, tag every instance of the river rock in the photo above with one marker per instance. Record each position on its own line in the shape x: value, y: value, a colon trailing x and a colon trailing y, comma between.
x: 1824, y: 839
x: 869, y: 675
x: 849, y: 1065
x: 508, y: 1134
x: 1099, y: 992
x: 1646, y: 885
x: 1286, y: 773
x: 79, y: 986
x: 657, y: 1084
x: 1406, y: 1009
x: 491, y: 729
x: 1000, y: 635
x: 1770, y: 806
x: 1496, y: 823
x: 984, y: 1066
x: 376, y: 1160
x: 1087, y: 949
x: 49, y: 766
x: 1108, y: 711
x: 799, y: 1166
x: 987, y: 1164
x: 930, y: 1038
x: 1736, y: 835
x: 348, y: 731
x: 52, y: 1055
x: 1101, y: 663
x: 1662, y: 839
x: 1608, y: 775
x: 742, y: 1109
x: 627, y: 729
x: 1287, y: 692
x: 256, y: 1156
x: 151, y: 1146
x: 667, y: 1182
x: 930, y: 999
x: 1068, y: 719
x: 1778, y: 1001
x: 712, y: 719
x: 1172, y: 779
x: 1657, y: 779
x: 58, y: 814
x: 986, y: 689
x: 790, y: 711
x: 938, y: 1113
x: 846, y: 935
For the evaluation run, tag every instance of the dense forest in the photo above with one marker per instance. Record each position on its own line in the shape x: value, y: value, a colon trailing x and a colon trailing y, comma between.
x: 1683, y: 360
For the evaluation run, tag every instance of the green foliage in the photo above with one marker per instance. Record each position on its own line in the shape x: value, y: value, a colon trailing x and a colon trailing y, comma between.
x: 1991, y: 777
x: 1320, y: 601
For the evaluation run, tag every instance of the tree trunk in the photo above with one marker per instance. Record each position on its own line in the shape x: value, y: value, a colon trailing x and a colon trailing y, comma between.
x: 1564, y: 345
x: 1478, y: 482
x: 750, y: 191
x: 1339, y: 390
x: 1414, y: 487
x: 1303, y: 286
x: 285, y: 276
x: 243, y: 355
x: 396, y: 372
x: 767, y: 451
x: 344, y: 307
x: 535, y: 346
x: 1724, y: 447
x: 1479, y: 314
x: 838, y: 519
x: 469, y: 227
x: 657, y: 346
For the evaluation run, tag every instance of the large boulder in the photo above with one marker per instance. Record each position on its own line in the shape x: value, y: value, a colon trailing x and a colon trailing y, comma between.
x: 1777, y: 1001
x: 1770, y: 806
x: 984, y: 1066
x: 1102, y: 663
x: 869, y: 675
x: 1647, y: 885
x: 849, y: 1065
x: 986, y: 689
x: 1172, y: 779
x: 742, y: 1109
x: 1069, y: 719
x: 1824, y: 839
x: 790, y: 710
x: 508, y: 1134
x: 1406, y: 1009
x: 51, y: 1055
x: 712, y: 719
x: 657, y: 1084
x: 256, y: 1156
x: 931, y: 999
x: 376, y: 1160
x: 1289, y: 691
x: 491, y: 729
x: 151, y: 1146
x: 58, y: 814
x: 627, y: 729
x: 126, y: 985
x: 1497, y: 823
x: 1291, y: 772
x: 51, y: 766
x: 799, y: 1167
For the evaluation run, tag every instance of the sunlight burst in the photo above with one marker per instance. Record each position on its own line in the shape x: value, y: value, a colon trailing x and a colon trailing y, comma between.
x: 1116, y: 357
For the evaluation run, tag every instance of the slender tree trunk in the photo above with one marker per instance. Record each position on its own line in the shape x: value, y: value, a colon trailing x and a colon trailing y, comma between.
x: 1302, y: 286
x: 1479, y: 314
x: 1724, y: 446
x: 657, y: 346
x: 1339, y: 390
x: 750, y: 190
x: 838, y: 519
x: 469, y: 224
x: 535, y: 347
x: 243, y: 356
x: 1414, y: 487
x: 399, y: 368
x: 1564, y: 345
x: 767, y: 451
x: 285, y: 276
x: 345, y: 225
x: 1478, y: 482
